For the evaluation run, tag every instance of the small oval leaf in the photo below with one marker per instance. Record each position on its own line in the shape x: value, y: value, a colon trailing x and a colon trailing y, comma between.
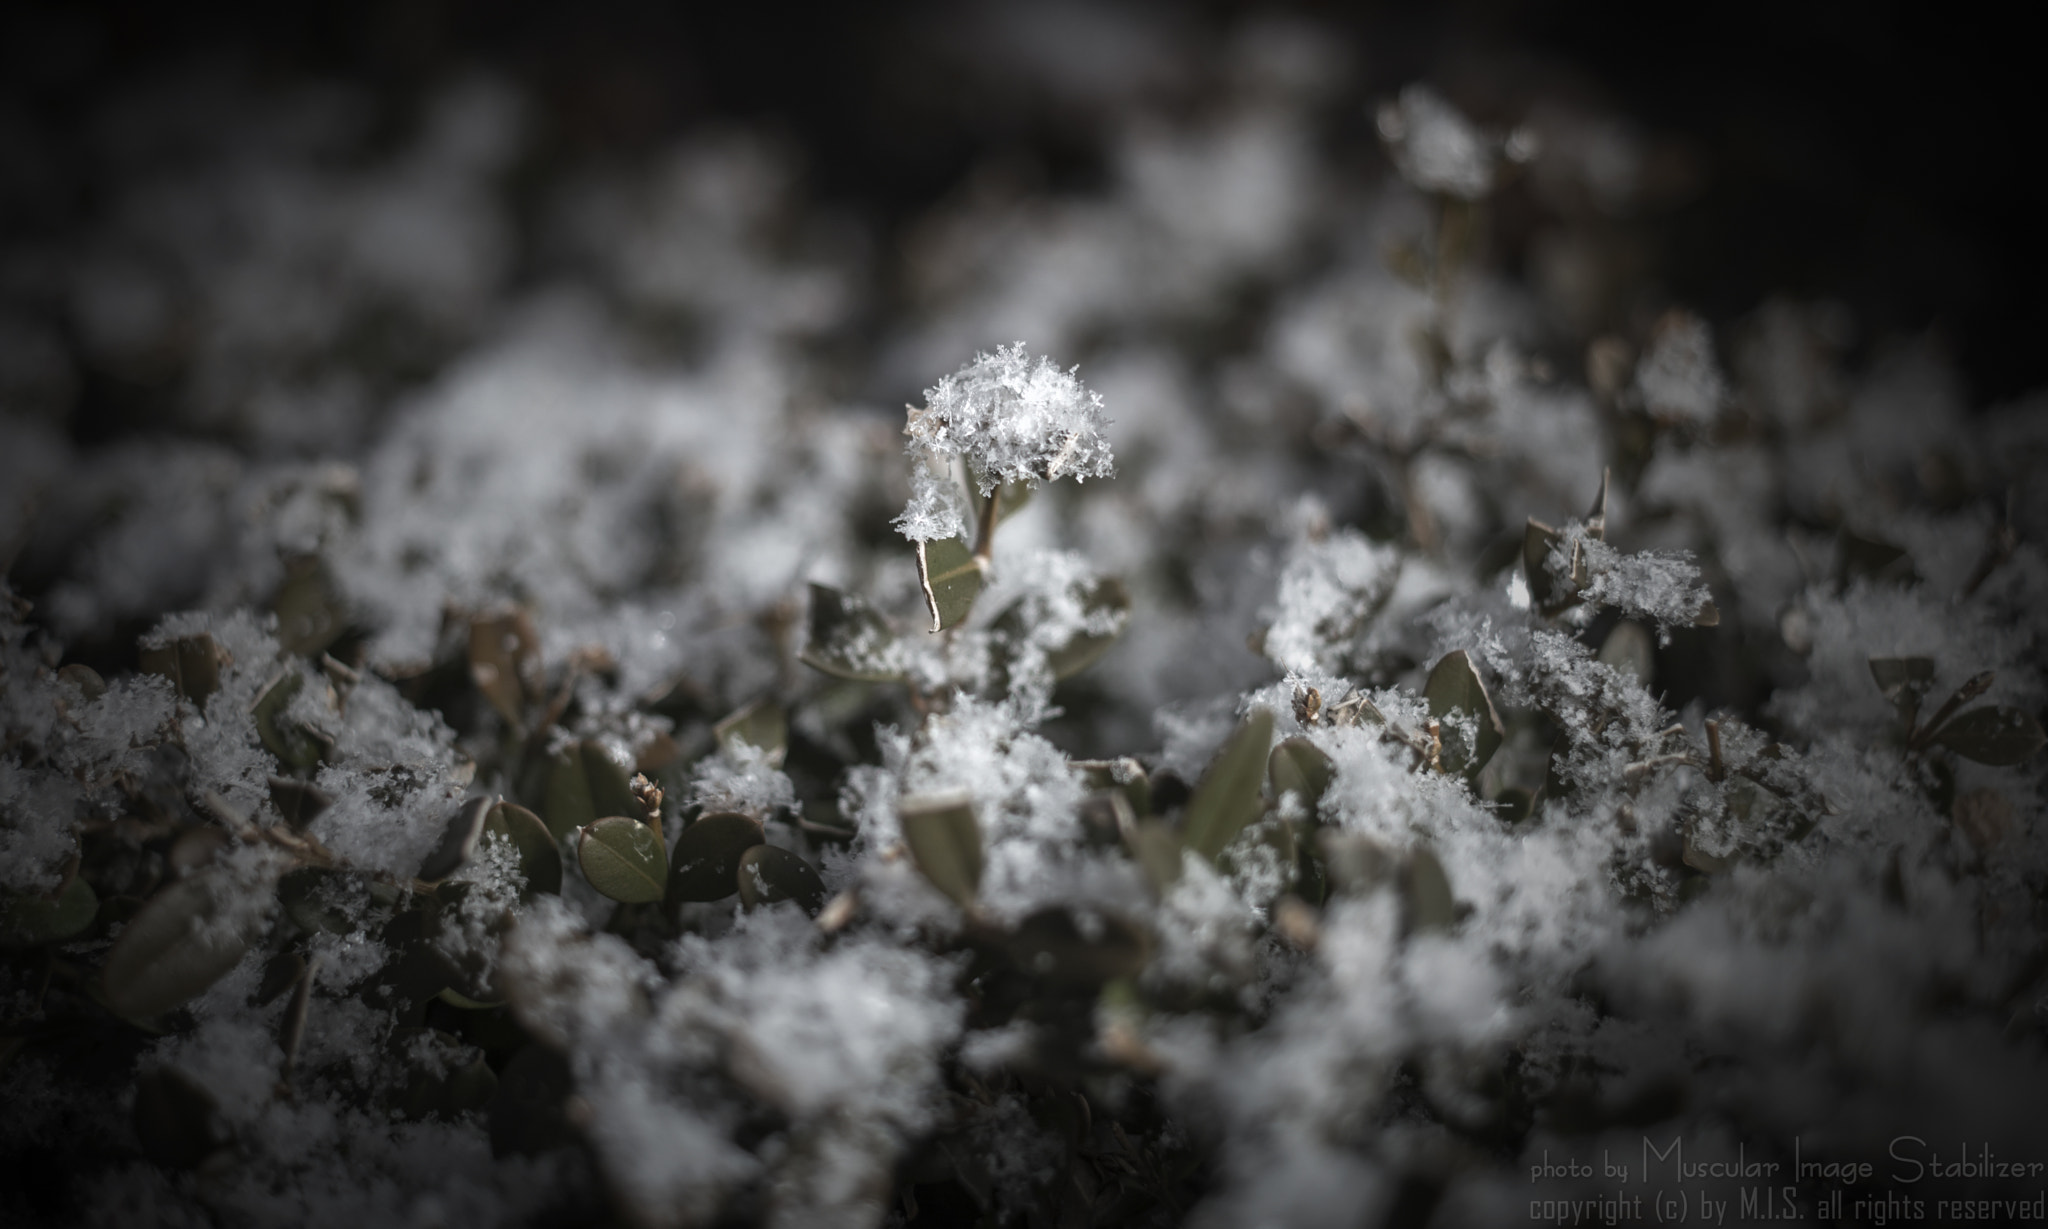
x: 27, y: 920
x: 706, y: 862
x: 849, y: 640
x: 178, y: 945
x: 540, y: 857
x: 1426, y: 891
x: 1997, y: 735
x: 762, y: 724
x: 1228, y: 797
x: 1629, y: 649
x: 621, y: 857
x: 768, y: 875
x: 951, y: 578
x: 1300, y: 767
x: 1454, y: 687
x: 945, y: 842
x: 458, y: 841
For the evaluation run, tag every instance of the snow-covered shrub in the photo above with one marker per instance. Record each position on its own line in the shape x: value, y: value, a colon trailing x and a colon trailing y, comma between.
x: 603, y: 785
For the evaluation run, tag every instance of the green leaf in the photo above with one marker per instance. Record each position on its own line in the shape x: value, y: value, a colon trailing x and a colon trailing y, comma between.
x: 540, y: 856
x: 192, y: 663
x: 1299, y: 766
x: 505, y: 664
x: 282, y: 973
x: 458, y: 841
x: 1629, y: 649
x: 308, y: 608
x: 27, y: 920
x: 585, y: 784
x: 768, y: 875
x: 1105, y: 594
x: 706, y: 862
x: 295, y: 746
x: 1545, y: 592
x: 1057, y: 946
x: 621, y: 857
x: 762, y: 725
x: 945, y: 842
x: 1994, y: 734
x: 299, y: 802
x: 1454, y: 687
x: 850, y: 640
x: 951, y: 578
x: 1158, y: 853
x: 306, y: 896
x: 1427, y: 892
x: 1867, y: 558
x: 180, y: 943
x: 1228, y: 797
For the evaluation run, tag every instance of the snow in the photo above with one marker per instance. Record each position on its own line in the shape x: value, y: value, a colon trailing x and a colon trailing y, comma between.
x: 648, y: 407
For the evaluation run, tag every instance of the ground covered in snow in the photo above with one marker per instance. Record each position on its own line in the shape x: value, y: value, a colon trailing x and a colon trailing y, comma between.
x: 1299, y: 723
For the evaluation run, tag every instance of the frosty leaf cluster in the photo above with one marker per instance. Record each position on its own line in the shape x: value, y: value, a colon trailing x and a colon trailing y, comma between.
x: 1468, y: 722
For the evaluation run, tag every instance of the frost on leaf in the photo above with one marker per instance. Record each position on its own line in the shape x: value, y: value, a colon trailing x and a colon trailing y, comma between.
x: 1011, y: 420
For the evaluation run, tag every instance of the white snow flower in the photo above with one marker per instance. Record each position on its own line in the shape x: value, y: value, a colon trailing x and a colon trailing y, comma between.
x: 1011, y: 420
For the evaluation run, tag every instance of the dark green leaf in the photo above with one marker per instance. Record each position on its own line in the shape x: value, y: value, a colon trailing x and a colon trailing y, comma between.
x: 192, y: 663
x: 505, y: 664
x: 1879, y: 561
x: 945, y: 842
x: 299, y: 802
x: 1630, y: 650
x: 458, y: 840
x: 1056, y: 945
x: 707, y: 856
x: 951, y: 578
x: 762, y: 725
x: 1427, y: 892
x: 296, y: 746
x: 1300, y: 767
x: 540, y: 856
x: 1158, y: 853
x: 621, y: 857
x: 1994, y: 734
x: 1229, y: 797
x: 585, y: 784
x: 182, y: 941
x: 308, y: 608
x: 307, y: 895
x: 1105, y: 594
x: 1454, y: 687
x: 768, y: 875
x: 1545, y: 592
x: 27, y: 920
x: 282, y: 973
x: 849, y: 640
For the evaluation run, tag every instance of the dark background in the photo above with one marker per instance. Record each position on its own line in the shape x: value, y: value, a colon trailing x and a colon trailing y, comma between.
x: 1884, y: 155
